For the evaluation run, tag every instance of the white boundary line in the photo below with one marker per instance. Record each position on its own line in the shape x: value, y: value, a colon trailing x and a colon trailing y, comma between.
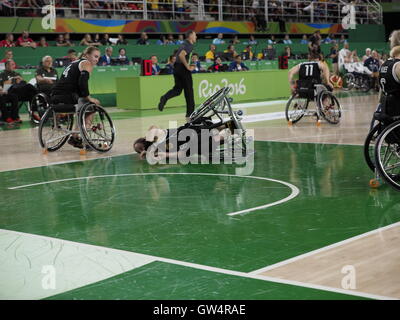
x: 215, y: 269
x: 294, y: 190
x: 337, y: 244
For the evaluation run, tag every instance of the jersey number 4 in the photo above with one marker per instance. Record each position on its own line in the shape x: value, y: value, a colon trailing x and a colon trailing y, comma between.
x: 65, y: 72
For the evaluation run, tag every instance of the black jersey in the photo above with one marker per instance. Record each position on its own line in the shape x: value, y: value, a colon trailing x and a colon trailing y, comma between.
x: 68, y: 84
x: 310, y: 71
x: 388, y: 80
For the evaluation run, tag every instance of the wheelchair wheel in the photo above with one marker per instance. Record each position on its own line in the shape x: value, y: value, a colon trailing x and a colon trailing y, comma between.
x: 365, y: 84
x: 215, y: 103
x: 348, y: 81
x: 369, y: 146
x: 329, y: 107
x: 40, y: 102
x: 387, y: 155
x: 97, y: 128
x: 296, y: 108
x: 54, y: 129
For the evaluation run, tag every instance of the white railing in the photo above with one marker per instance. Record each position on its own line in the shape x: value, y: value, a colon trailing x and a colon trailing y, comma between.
x: 367, y: 11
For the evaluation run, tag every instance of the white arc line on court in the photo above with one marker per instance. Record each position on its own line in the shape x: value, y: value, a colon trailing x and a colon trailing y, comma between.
x: 294, y: 190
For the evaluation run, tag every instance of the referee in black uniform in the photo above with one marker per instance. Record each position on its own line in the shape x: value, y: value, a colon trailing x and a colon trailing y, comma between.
x: 183, y: 75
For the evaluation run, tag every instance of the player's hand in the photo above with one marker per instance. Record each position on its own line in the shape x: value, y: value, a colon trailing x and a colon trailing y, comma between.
x: 293, y: 88
x: 95, y: 101
x: 191, y: 67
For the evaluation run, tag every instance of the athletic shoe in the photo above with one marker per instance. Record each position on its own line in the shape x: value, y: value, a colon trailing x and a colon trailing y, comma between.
x: 18, y: 120
x: 36, y: 117
x: 75, y: 142
x: 9, y: 120
x: 162, y: 103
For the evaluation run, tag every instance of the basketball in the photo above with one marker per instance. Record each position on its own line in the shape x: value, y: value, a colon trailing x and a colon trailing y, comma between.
x: 336, y: 81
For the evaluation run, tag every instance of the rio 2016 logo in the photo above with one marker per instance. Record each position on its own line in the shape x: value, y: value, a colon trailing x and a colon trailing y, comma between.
x: 207, y: 89
x: 349, y: 21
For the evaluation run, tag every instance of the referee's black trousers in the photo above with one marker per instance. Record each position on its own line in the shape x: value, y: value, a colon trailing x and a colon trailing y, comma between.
x: 183, y: 81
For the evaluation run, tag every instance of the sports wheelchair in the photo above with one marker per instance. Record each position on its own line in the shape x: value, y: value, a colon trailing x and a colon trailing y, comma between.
x: 40, y: 103
x: 327, y: 105
x: 56, y: 127
x: 215, y: 108
x: 382, y: 149
x: 358, y: 81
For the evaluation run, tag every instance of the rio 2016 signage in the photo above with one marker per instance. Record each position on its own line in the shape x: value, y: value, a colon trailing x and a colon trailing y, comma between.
x: 207, y: 88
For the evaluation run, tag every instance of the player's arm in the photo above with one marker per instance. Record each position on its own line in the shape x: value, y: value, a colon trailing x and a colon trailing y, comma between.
x: 85, y: 67
x: 292, y: 72
x: 325, y: 73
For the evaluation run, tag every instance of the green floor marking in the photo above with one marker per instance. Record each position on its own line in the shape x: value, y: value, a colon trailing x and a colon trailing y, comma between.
x: 185, y: 218
x: 160, y: 281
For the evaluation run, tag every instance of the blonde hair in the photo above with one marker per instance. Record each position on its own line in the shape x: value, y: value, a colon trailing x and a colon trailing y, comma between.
x: 395, y: 51
x: 394, y: 39
x: 46, y: 57
x: 87, y: 51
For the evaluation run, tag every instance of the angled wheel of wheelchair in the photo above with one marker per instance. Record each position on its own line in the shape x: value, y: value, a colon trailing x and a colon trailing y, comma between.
x: 348, y: 81
x: 96, y: 127
x: 387, y: 155
x: 55, y: 128
x: 329, y: 107
x: 369, y: 146
x: 40, y: 102
x: 216, y: 103
x: 296, y: 108
x: 365, y: 84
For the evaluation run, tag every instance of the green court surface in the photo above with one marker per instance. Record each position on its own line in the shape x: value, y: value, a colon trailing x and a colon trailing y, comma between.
x: 180, y: 213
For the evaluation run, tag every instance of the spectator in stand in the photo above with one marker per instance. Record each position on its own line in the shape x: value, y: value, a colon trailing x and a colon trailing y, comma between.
x: 210, y: 54
x: 61, y: 42
x: 8, y: 42
x: 269, y: 53
x: 304, y: 40
x: 367, y: 54
x: 162, y: 41
x: 217, y: 66
x: 155, y: 67
x: 67, y: 39
x: 106, y: 59
x: 235, y: 40
x: 252, y: 40
x: 169, y: 67
x: 87, y: 41
x: 238, y: 65
x: 8, y: 55
x: 287, y: 40
x: 230, y: 52
x: 343, y: 56
x: 343, y: 39
x: 314, y: 43
x: 106, y: 40
x: 9, y: 115
x: 219, y: 39
x: 42, y: 42
x: 121, y: 40
x: 373, y: 63
x: 181, y: 39
x: 328, y: 39
x: 196, y: 62
x: 170, y: 40
x: 288, y: 52
x: 248, y: 52
x: 143, y: 40
x: 25, y: 41
x: 123, y: 59
x: 272, y: 40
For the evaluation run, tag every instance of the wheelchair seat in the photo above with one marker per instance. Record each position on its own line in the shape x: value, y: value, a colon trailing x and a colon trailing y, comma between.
x: 64, y: 108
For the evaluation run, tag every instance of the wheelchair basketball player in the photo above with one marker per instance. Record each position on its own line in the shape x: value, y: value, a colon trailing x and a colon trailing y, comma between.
x: 73, y: 86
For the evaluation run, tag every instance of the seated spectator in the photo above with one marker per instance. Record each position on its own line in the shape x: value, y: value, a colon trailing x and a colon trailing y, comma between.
x: 343, y: 39
x: 367, y: 54
x: 334, y: 55
x: 252, y: 40
x: 122, y: 58
x: 24, y: 91
x: 106, y: 40
x: 155, y: 67
x: 162, y: 41
x: 217, y: 66
x: 196, y: 62
x: 230, y: 53
x: 170, y: 40
x: 67, y: 39
x: 87, y: 41
x: 143, y: 40
x: 71, y: 55
x: 272, y: 40
x: 373, y: 63
x: 42, y: 42
x: 304, y: 40
x: 8, y: 55
x: 269, y: 53
x: 248, y: 53
x: 235, y: 40
x: 288, y: 53
x: 219, y: 39
x: 60, y: 41
x: 328, y: 39
x: 238, y: 65
x: 169, y: 67
x: 8, y: 42
x: 210, y: 55
x: 180, y: 39
x: 25, y: 41
x: 287, y: 40
x: 121, y: 40
x: 344, y: 56
x: 105, y: 60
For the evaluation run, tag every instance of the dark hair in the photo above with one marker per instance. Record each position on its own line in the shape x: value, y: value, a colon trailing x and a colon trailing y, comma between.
x: 139, y: 145
x: 71, y: 51
x: 188, y: 33
x: 314, y: 55
x: 195, y: 54
x: 119, y: 51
